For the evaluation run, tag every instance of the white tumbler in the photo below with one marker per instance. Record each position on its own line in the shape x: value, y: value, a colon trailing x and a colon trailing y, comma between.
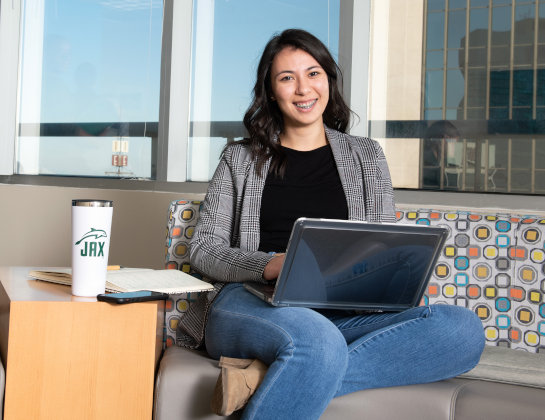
x: 91, y: 226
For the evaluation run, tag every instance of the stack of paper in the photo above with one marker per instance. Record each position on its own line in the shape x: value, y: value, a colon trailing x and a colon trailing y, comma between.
x: 134, y: 279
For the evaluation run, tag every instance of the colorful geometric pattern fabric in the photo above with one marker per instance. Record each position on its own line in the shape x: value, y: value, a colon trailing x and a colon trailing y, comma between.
x: 492, y: 264
x: 181, y: 221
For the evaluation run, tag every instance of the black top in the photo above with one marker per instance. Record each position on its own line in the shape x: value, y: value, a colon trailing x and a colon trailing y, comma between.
x: 311, y: 187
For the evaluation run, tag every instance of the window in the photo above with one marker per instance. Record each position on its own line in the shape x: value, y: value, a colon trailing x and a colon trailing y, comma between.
x: 101, y: 83
x: 89, y: 88
x: 229, y: 38
x: 479, y: 78
x: 153, y: 90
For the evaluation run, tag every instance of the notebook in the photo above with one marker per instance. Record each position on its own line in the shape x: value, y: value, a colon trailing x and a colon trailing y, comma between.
x: 341, y: 264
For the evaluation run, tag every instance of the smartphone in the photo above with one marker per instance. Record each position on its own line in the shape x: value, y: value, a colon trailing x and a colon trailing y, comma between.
x: 130, y: 297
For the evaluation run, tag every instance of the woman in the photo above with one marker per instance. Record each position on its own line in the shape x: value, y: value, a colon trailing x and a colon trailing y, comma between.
x: 296, y: 155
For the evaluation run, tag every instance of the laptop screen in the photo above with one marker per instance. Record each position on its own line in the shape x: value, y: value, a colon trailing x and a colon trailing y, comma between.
x: 358, y: 265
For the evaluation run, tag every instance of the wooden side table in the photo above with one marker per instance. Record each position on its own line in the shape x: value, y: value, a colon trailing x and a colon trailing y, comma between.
x: 75, y: 358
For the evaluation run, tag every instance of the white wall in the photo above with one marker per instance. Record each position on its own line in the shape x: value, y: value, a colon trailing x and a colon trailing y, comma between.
x: 35, y: 225
x: 35, y: 220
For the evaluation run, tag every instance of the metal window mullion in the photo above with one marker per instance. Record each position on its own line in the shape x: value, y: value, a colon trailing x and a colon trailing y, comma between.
x: 173, y: 131
x: 511, y: 60
x: 536, y: 38
x: 10, y: 17
x: 423, y: 90
x: 346, y: 49
x: 442, y: 165
x: 511, y: 89
x: 424, y: 61
x: 488, y: 61
x: 486, y: 163
x: 464, y: 164
x: 477, y: 170
x: 466, y: 61
x: 533, y: 174
x: 445, y: 50
x: 354, y: 50
x: 534, y: 97
x: 509, y: 162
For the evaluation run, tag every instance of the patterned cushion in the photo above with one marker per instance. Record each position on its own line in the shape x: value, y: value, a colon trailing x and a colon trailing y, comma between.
x: 182, y: 218
x: 492, y: 264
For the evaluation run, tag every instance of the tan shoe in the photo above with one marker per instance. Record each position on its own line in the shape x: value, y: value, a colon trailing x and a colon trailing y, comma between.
x: 233, y: 362
x: 238, y: 380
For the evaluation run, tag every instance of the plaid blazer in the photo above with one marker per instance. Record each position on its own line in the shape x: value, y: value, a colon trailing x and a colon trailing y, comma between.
x: 226, y: 238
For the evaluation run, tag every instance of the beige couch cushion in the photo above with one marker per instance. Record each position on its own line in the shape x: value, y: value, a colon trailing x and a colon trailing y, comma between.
x: 515, y: 367
x: 186, y: 379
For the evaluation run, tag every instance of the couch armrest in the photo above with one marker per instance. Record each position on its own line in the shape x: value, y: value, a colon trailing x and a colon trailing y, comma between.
x: 185, y: 382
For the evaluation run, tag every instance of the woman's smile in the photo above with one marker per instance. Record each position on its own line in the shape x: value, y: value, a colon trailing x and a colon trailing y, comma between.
x: 306, y: 105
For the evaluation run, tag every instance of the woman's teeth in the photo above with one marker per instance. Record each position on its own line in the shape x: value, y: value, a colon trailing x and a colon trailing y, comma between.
x: 306, y: 105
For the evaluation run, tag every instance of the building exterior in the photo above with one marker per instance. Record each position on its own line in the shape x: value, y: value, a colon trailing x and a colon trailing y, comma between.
x: 461, y: 91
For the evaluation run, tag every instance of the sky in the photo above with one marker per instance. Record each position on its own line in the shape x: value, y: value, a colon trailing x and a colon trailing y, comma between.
x: 101, y: 59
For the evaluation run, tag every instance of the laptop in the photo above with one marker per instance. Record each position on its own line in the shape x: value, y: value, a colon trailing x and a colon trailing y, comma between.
x: 353, y: 265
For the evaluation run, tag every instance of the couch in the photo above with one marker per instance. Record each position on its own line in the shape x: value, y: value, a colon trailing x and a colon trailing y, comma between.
x: 492, y: 263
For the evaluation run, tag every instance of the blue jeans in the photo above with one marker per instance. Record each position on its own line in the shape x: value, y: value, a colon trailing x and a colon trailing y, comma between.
x: 314, y: 356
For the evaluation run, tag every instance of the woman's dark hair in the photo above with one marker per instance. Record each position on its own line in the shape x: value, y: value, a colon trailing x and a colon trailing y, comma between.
x: 264, y: 120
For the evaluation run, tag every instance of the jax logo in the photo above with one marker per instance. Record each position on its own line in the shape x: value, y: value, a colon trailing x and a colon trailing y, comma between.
x: 92, y: 248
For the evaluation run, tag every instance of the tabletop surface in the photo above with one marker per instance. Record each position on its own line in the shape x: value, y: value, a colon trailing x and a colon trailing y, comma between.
x: 20, y: 287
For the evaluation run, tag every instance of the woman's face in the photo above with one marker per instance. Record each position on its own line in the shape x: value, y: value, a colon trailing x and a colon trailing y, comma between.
x: 300, y: 87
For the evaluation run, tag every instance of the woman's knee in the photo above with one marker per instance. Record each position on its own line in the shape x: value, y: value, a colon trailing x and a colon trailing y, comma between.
x: 458, y: 318
x: 461, y: 329
x: 319, y: 343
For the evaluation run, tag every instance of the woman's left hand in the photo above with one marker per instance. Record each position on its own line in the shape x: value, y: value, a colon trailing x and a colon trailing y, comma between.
x: 273, y: 267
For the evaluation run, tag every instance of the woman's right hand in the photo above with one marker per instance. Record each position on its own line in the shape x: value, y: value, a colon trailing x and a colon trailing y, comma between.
x: 273, y: 267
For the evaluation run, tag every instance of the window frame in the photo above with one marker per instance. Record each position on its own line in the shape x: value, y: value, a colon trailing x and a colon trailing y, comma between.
x: 10, y: 16
x: 175, y: 62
